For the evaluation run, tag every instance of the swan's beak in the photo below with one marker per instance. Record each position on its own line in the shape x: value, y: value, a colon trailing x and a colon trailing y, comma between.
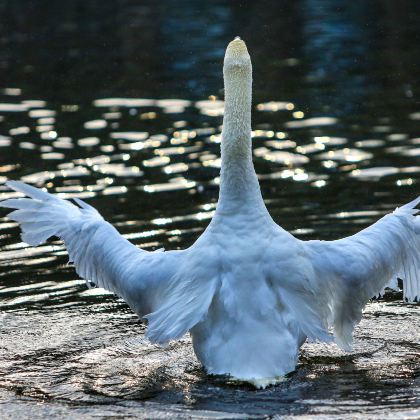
x: 237, y: 54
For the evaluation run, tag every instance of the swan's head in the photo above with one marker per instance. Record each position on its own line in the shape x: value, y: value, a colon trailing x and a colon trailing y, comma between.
x: 237, y: 60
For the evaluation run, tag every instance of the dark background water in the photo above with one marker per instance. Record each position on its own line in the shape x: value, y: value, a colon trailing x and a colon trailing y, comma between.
x: 337, y: 149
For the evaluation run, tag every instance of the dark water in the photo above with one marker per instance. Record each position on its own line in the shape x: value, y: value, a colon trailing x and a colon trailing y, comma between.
x: 119, y: 103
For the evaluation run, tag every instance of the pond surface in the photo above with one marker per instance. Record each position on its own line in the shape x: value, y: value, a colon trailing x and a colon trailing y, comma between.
x: 120, y: 103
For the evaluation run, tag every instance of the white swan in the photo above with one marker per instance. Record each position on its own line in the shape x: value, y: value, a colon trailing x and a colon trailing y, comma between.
x: 248, y: 291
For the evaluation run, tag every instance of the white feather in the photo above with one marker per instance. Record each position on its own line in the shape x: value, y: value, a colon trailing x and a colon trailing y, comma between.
x: 247, y: 290
x: 352, y: 270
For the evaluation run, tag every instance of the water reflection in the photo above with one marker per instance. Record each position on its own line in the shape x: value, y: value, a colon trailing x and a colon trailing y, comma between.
x: 132, y: 124
x: 337, y: 41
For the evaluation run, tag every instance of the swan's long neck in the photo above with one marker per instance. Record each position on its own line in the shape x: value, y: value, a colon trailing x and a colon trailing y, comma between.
x: 238, y: 181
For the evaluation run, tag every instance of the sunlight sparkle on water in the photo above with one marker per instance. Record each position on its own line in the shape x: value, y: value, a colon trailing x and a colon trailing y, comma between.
x: 136, y: 132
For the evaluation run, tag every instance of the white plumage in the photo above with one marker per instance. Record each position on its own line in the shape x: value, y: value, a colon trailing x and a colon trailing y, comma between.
x: 248, y: 291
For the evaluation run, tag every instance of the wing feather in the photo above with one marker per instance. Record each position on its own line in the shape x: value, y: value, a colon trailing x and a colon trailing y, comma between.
x: 352, y: 270
x: 160, y: 285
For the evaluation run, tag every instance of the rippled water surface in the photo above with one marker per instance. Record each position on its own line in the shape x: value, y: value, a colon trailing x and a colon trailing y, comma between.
x: 121, y: 104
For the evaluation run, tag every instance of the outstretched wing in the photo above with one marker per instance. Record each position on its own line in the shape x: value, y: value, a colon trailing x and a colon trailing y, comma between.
x: 150, y: 282
x: 352, y: 270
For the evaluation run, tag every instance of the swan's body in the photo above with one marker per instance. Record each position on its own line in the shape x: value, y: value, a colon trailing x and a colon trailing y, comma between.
x: 247, y: 290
